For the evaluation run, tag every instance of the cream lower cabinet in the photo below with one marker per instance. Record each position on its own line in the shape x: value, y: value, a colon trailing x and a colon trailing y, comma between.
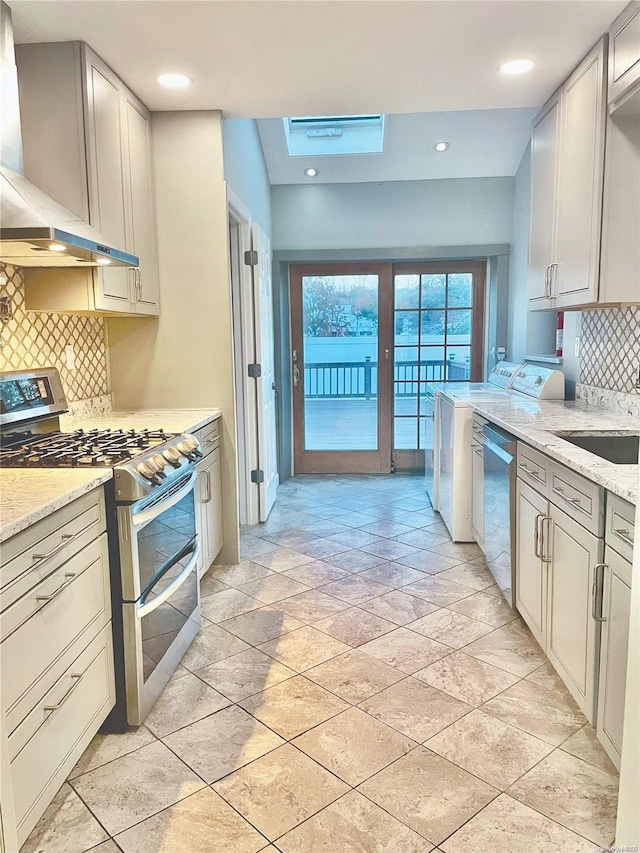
x: 209, y: 496
x: 531, y: 572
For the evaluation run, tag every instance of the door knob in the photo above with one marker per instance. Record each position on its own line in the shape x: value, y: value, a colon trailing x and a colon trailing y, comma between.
x: 296, y: 375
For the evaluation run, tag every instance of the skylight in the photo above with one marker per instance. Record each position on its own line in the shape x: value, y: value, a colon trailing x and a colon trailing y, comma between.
x: 326, y: 135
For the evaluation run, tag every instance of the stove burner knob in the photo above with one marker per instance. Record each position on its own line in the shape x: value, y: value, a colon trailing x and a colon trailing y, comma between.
x: 193, y: 444
x: 187, y: 449
x: 159, y: 461
x: 172, y: 455
x: 148, y: 470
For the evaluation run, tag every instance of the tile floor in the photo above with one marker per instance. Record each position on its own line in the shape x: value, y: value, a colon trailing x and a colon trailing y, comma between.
x: 358, y: 685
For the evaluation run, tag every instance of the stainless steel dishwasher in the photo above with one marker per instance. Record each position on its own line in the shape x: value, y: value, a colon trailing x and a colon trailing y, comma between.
x: 499, y: 507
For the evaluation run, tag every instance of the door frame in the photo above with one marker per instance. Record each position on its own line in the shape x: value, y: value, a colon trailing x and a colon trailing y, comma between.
x: 345, y: 461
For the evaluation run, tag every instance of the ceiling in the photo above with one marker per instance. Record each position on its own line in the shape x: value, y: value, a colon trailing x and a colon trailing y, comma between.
x: 484, y: 143
x: 268, y: 58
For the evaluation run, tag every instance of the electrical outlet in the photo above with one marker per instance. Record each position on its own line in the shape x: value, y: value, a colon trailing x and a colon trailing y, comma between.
x: 70, y: 357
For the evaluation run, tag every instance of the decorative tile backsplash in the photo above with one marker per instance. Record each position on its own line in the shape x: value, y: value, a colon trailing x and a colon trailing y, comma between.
x: 610, y: 350
x: 38, y: 340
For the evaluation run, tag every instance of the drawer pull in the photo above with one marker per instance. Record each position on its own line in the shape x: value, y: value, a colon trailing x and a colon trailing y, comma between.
x: 66, y: 538
x: 69, y: 578
x: 597, y: 593
x: 624, y: 535
x: 77, y: 678
x: 534, y: 474
x: 210, y: 440
x: 573, y: 501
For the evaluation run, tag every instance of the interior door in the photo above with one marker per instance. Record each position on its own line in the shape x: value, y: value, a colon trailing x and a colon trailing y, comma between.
x: 341, y: 327
x: 268, y: 479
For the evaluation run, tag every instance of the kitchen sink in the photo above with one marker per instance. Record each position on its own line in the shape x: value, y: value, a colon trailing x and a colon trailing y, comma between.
x: 620, y: 449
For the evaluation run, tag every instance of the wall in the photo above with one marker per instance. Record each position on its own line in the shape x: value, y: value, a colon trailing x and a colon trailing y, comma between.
x: 184, y: 359
x: 39, y: 340
x: 245, y: 170
x: 468, y: 211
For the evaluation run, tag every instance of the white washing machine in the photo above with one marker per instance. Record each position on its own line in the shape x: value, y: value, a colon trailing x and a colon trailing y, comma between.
x: 453, y: 451
x: 500, y: 378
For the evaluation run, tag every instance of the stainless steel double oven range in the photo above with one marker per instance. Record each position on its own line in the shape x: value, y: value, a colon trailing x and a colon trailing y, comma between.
x: 151, y: 525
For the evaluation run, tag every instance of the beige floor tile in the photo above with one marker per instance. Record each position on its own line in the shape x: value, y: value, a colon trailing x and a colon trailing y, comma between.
x: 354, y: 745
x: 576, y: 794
x: 67, y: 826
x: 354, y: 676
x: 210, y: 645
x: 547, y: 714
x: 236, y: 575
x: 452, y: 629
x: 507, y: 826
x: 429, y: 562
x: 387, y: 528
x: 354, y: 626
x: 311, y: 606
x: 304, y: 648
x: 511, y: 648
x: 261, y: 625
x: 210, y: 584
x: 546, y: 676
x: 283, y: 559
x: 415, y: 709
x: 393, y: 575
x: 486, y: 608
x: 428, y: 793
x: 293, y: 706
x: 422, y: 538
x: 273, y: 588
x: 469, y: 574
x: 106, y: 847
x: 462, y: 551
x: 280, y: 790
x: 136, y: 786
x: 245, y: 674
x: 389, y: 549
x: 105, y: 748
x: 354, y: 537
x: 355, y: 560
x: 405, y: 650
x: 489, y: 748
x: 585, y: 745
x: 352, y: 824
x: 252, y: 547
x: 221, y: 743
x: 316, y: 573
x: 466, y: 678
x: 438, y: 591
x: 226, y: 604
x: 355, y: 589
x: 289, y: 538
x: 398, y: 607
x: 202, y: 823
x: 183, y: 702
x: 321, y: 548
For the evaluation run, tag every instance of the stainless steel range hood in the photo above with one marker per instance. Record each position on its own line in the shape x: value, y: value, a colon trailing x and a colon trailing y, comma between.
x: 34, y: 230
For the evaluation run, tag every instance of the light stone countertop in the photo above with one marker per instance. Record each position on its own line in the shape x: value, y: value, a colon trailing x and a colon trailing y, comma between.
x: 535, y: 422
x: 26, y: 496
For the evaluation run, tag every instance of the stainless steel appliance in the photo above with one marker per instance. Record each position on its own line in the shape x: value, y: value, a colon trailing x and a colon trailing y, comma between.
x: 499, y: 507
x: 153, y: 535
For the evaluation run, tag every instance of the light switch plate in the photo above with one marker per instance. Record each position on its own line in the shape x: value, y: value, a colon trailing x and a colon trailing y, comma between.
x: 70, y: 357
x: 576, y: 351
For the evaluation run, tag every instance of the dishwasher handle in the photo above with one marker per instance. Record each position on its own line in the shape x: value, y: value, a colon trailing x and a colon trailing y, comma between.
x: 500, y: 451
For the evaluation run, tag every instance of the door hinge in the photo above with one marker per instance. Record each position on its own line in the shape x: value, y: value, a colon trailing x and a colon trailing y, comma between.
x: 257, y: 476
x: 254, y: 370
x: 251, y: 258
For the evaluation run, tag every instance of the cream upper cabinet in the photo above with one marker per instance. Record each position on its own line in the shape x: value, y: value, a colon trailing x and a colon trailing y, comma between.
x: 624, y: 64
x: 545, y: 145
x: 99, y: 166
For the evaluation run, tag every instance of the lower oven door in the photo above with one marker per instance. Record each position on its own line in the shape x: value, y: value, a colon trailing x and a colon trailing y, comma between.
x: 161, y: 609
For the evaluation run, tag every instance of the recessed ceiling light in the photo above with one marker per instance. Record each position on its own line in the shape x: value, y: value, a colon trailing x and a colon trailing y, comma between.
x: 174, y: 81
x: 311, y: 173
x: 441, y: 146
x: 516, y: 66
x: 103, y: 261
x: 57, y: 247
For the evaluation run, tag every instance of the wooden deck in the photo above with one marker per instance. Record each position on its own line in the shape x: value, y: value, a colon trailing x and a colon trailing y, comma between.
x: 348, y: 424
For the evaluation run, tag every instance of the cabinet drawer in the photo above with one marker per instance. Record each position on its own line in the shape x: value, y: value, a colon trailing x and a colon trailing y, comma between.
x: 477, y: 428
x: 38, y: 628
x: 579, y: 498
x: 534, y: 468
x: 39, y: 550
x: 44, y: 748
x: 209, y: 436
x: 620, y: 526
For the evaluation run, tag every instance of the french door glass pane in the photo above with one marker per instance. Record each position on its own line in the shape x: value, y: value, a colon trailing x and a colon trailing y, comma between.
x: 406, y: 292
x: 340, y: 362
x: 405, y: 398
x: 434, y: 291
x: 405, y: 433
x: 406, y: 327
x: 460, y: 290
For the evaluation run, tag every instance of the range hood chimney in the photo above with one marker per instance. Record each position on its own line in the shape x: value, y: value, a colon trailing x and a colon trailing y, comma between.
x: 34, y: 230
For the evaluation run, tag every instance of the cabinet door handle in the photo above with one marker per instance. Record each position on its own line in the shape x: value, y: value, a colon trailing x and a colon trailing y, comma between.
x: 77, y: 678
x: 207, y: 477
x: 624, y: 535
x: 546, y: 281
x: 536, y: 536
x: 597, y: 593
x: 545, y: 538
x: 69, y: 578
x: 66, y: 538
x: 552, y: 277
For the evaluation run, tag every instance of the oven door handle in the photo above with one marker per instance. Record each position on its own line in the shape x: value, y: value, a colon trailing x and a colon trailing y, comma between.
x: 138, y: 519
x: 146, y: 607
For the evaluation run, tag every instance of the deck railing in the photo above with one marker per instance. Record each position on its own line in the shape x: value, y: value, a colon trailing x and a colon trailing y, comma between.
x: 353, y: 379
